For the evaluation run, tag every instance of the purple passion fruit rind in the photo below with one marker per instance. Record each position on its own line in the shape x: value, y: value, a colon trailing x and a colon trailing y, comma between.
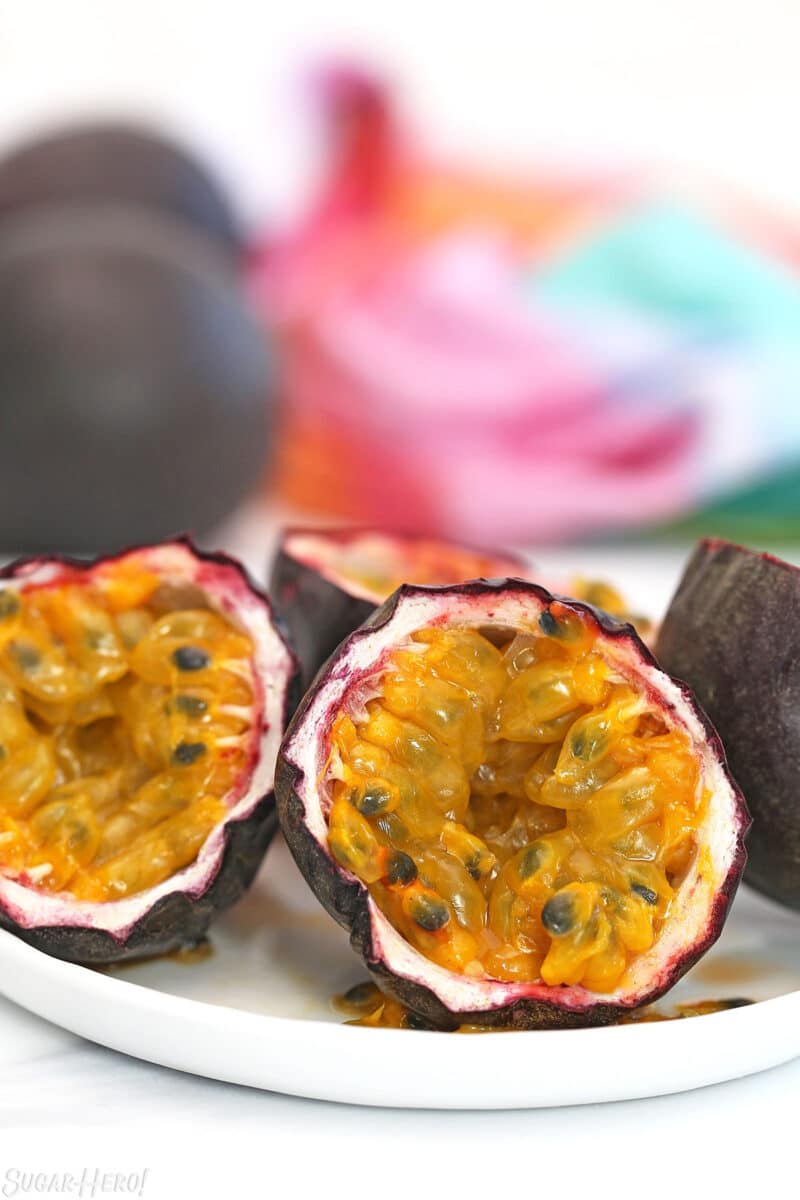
x: 178, y: 909
x: 321, y: 603
x: 732, y: 631
x: 446, y: 998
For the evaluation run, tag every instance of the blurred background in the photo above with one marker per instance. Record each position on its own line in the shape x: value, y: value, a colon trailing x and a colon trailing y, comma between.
x: 528, y: 274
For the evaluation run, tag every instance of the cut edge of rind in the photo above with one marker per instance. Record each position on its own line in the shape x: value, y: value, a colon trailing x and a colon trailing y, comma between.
x: 323, y: 538
x: 320, y: 605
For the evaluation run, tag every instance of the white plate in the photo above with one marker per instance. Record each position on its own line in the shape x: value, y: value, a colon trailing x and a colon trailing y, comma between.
x: 258, y: 1011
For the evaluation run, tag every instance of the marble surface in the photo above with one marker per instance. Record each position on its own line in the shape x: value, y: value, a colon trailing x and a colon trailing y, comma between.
x: 66, y: 1105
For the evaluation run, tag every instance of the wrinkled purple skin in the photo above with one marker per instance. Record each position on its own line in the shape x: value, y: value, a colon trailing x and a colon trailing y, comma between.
x: 318, y: 614
x: 346, y: 899
x: 732, y: 632
x: 177, y: 920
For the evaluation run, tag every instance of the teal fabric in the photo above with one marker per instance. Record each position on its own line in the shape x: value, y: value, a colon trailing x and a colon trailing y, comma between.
x: 710, y: 295
x: 670, y: 263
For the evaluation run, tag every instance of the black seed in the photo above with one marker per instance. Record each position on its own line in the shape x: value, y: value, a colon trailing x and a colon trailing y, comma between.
x: 362, y: 995
x: 558, y: 914
x: 473, y: 865
x: 371, y: 801
x: 401, y: 870
x: 735, y: 1002
x: 190, y: 706
x: 647, y: 894
x: 190, y: 658
x: 185, y: 753
x: 26, y: 656
x: 548, y: 624
x: 430, y: 913
x: 412, y: 1020
x: 531, y: 861
x: 9, y: 604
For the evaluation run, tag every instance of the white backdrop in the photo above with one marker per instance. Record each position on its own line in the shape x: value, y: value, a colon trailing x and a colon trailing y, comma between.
x: 698, y: 85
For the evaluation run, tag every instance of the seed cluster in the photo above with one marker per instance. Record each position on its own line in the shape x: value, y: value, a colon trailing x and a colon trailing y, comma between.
x: 519, y: 811
x: 125, y: 718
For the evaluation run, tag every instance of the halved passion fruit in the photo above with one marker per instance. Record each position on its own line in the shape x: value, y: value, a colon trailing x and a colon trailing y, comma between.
x: 326, y: 582
x: 521, y: 819
x: 732, y: 632
x: 142, y: 700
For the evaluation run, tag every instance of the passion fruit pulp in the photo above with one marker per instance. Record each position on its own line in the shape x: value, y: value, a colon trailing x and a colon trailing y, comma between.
x: 142, y: 699
x: 732, y: 632
x: 521, y: 819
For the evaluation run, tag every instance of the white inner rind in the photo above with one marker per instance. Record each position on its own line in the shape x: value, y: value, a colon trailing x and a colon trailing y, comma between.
x: 227, y: 591
x: 692, y: 914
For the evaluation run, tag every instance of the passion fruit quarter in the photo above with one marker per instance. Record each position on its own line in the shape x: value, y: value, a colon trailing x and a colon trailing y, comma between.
x: 520, y: 818
x: 327, y: 582
x: 142, y: 701
x: 733, y: 632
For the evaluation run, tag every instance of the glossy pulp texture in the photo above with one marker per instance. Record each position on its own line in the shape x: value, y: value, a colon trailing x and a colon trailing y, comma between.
x: 443, y: 996
x: 142, y: 703
x: 518, y: 811
x: 125, y: 717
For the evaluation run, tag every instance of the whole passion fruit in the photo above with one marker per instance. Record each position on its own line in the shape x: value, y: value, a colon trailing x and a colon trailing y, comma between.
x: 142, y: 700
x: 133, y: 375
x: 110, y: 162
x: 521, y: 819
x: 326, y: 582
x: 732, y: 632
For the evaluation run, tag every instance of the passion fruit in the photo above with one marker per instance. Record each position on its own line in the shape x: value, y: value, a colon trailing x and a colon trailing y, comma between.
x: 326, y: 582
x: 142, y: 701
x: 519, y: 817
x: 732, y: 632
x: 133, y: 376
x: 111, y: 162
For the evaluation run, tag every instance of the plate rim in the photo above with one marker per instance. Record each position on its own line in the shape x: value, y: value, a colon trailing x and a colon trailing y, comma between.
x: 681, y: 1046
